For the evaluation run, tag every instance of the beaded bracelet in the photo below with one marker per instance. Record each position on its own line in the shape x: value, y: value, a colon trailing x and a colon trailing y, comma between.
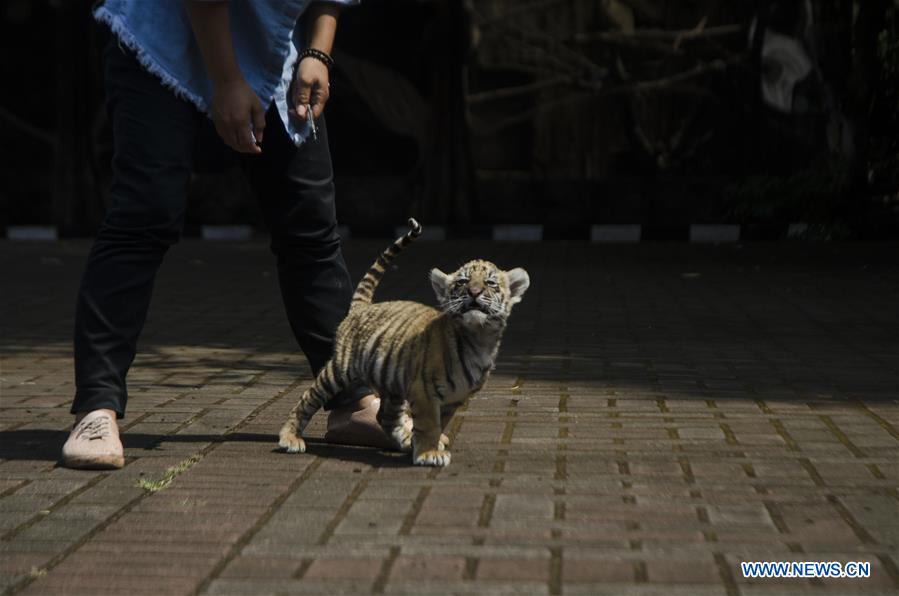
x: 318, y: 55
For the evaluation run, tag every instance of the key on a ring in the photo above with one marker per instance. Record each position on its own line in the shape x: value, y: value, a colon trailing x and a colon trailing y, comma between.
x: 311, y: 121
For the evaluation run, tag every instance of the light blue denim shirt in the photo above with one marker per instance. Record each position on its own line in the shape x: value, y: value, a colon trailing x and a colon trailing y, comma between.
x: 264, y: 34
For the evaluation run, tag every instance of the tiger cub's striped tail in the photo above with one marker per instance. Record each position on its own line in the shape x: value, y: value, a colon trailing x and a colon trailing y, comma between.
x: 366, y: 288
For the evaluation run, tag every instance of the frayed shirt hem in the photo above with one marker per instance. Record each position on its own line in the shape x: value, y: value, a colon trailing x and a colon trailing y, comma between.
x: 120, y: 30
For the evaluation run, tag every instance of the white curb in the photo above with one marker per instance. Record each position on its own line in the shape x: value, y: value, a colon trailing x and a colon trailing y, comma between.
x: 239, y: 233
x: 428, y: 233
x: 518, y: 233
x: 615, y: 234
x: 714, y: 233
x: 32, y: 233
x: 796, y: 230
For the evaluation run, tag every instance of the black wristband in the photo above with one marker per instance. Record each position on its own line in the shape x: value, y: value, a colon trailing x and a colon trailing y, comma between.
x: 318, y: 55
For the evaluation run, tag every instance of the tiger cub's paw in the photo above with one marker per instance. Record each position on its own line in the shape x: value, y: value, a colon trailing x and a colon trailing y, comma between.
x: 402, y: 436
x: 433, y: 457
x: 290, y: 442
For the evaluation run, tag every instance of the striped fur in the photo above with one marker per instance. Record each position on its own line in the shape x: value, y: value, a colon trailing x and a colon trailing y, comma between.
x: 423, y: 362
x: 369, y: 283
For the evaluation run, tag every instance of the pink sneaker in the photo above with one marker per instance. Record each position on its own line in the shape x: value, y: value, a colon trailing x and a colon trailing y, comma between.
x: 94, y: 443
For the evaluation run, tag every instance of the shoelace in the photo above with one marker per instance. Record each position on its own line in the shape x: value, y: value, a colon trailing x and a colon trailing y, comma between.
x: 98, y: 428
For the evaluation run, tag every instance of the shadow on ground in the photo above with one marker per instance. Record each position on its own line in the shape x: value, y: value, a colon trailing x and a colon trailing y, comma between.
x: 45, y: 445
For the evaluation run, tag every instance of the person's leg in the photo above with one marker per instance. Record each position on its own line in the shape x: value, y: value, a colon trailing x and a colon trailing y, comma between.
x: 153, y: 135
x: 296, y: 190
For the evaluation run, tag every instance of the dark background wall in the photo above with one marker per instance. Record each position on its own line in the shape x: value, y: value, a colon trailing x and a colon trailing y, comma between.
x: 565, y: 113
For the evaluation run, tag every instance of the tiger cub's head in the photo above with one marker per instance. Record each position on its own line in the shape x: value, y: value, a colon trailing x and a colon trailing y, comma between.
x: 479, y: 292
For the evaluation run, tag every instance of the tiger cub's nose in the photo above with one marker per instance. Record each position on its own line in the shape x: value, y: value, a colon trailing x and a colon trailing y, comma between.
x: 475, y: 291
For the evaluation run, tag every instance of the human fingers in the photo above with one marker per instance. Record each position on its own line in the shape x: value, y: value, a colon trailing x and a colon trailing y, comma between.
x: 320, y: 97
x: 225, y: 132
x: 258, y: 114
x: 243, y: 137
x: 302, y: 94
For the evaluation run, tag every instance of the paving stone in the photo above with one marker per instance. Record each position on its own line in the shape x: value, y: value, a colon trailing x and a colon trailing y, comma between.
x: 344, y: 568
x: 270, y: 567
x: 509, y: 569
x: 262, y: 587
x: 493, y: 588
x: 428, y: 567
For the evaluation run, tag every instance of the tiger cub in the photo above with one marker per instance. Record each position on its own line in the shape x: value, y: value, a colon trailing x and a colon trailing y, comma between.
x: 420, y: 360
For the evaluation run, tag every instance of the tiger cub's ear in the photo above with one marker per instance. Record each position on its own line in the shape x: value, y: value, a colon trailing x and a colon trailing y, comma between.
x: 519, y: 280
x: 439, y: 279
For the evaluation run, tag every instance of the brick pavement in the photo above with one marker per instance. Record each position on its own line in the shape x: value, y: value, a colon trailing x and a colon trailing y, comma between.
x: 659, y: 414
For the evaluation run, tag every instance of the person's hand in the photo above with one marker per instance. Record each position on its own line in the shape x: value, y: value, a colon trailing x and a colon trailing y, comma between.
x: 238, y: 115
x: 311, y: 87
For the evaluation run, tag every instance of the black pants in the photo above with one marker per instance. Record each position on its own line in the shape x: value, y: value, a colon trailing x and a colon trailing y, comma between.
x: 155, y: 134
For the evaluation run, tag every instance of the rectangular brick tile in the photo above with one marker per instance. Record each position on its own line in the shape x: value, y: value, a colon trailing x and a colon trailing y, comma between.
x: 356, y: 568
x: 428, y: 567
x: 508, y: 569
